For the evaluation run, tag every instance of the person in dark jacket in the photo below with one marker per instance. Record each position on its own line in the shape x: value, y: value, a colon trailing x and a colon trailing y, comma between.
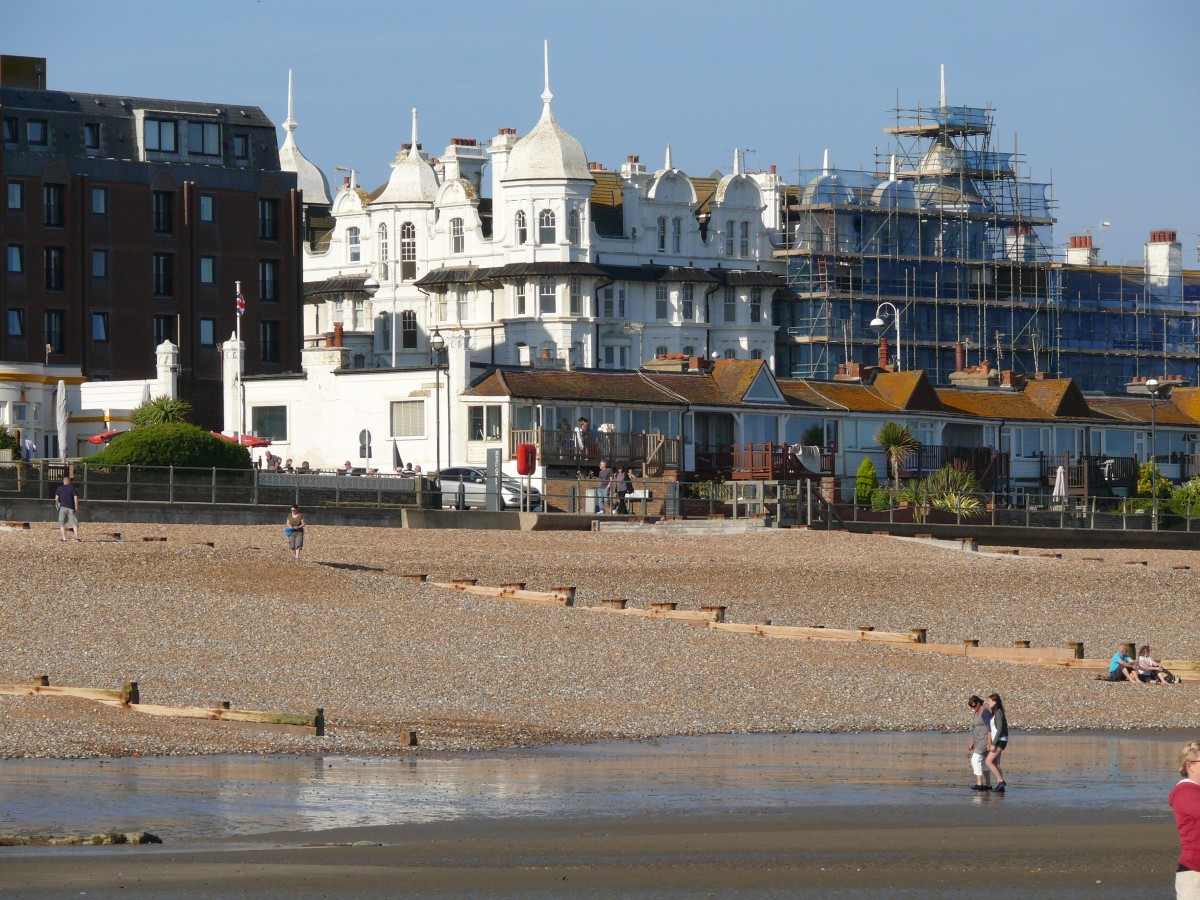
x: 622, y: 487
x: 997, y: 739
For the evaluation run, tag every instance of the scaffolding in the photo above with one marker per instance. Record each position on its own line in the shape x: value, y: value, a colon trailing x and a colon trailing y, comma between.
x: 950, y: 229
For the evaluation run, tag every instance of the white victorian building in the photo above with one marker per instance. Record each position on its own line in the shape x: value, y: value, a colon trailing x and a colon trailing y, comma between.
x: 566, y: 265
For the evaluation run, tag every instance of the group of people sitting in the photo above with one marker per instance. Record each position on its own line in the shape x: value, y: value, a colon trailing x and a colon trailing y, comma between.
x: 273, y: 463
x: 1142, y: 669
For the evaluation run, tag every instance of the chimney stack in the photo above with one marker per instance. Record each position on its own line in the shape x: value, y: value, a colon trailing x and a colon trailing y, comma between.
x: 884, y: 349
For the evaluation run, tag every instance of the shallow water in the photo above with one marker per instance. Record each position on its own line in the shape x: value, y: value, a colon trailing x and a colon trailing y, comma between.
x: 200, y: 798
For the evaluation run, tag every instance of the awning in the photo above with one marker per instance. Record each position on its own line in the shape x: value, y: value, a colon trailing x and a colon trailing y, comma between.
x: 248, y: 440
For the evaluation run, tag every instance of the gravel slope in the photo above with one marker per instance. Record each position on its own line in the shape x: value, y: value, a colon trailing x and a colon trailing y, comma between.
x: 341, y: 630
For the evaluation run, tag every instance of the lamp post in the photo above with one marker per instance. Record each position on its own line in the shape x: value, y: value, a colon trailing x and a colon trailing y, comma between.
x: 1158, y: 392
x: 437, y: 344
x: 370, y: 288
x: 878, y: 325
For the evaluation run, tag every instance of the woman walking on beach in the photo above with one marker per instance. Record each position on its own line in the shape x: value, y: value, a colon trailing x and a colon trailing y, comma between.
x: 981, y: 720
x: 997, y: 739
x: 295, y: 531
x: 1185, y: 800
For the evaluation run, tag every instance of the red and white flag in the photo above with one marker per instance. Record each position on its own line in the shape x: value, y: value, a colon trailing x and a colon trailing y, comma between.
x: 241, y: 303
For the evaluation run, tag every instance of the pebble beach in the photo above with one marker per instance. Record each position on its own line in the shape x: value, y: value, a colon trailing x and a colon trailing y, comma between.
x: 344, y: 630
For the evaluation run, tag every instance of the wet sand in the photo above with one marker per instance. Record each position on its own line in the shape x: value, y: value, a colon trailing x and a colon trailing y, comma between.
x: 829, y: 815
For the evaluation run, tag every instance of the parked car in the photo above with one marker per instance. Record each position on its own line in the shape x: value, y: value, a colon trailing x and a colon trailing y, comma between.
x: 474, y: 496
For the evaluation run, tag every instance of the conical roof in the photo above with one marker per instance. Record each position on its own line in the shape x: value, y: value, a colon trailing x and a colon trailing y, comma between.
x: 548, y: 151
x: 309, y: 178
x: 413, y: 179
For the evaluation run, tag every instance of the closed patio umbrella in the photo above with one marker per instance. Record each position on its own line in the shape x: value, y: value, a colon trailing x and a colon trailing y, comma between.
x: 60, y: 417
x: 1060, y: 484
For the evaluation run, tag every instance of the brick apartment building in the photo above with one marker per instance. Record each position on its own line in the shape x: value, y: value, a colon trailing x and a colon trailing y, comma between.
x: 127, y: 221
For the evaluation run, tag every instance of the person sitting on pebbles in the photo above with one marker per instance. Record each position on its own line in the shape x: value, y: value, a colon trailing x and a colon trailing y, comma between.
x: 1122, y: 666
x: 1150, y: 670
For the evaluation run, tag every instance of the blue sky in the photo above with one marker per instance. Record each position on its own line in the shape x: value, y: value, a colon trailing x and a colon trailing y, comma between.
x: 1101, y: 96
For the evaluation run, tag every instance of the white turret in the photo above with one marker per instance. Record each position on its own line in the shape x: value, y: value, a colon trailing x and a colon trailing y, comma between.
x: 309, y: 178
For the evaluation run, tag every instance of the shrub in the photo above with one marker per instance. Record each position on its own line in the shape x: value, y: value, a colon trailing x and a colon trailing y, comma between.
x: 1185, y: 499
x: 813, y: 436
x: 1150, y: 477
x: 174, y: 444
x: 865, y: 482
x: 161, y: 411
x: 8, y: 441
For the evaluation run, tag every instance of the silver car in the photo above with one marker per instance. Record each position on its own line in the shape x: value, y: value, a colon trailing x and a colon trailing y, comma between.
x: 474, y: 490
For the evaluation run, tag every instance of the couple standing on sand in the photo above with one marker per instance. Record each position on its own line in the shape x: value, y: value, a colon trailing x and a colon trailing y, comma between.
x: 989, y: 737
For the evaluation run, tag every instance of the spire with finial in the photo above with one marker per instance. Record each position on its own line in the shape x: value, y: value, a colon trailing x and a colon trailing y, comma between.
x: 943, y: 94
x: 667, y: 163
x: 412, y: 150
x: 737, y: 161
x: 892, y: 168
x: 546, y: 95
x: 825, y: 163
x: 289, y: 124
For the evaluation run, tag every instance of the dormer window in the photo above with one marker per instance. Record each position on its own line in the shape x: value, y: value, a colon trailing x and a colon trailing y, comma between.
x: 457, y: 240
x: 159, y: 135
x: 204, y: 139
x: 353, y: 244
x: 546, y: 227
x: 521, y: 227
x: 574, y: 228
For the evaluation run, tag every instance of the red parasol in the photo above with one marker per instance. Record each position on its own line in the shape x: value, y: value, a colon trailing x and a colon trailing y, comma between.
x: 103, y: 437
x: 248, y: 440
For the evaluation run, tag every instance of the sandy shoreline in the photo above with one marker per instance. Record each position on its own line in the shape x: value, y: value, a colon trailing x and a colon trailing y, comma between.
x: 343, y: 630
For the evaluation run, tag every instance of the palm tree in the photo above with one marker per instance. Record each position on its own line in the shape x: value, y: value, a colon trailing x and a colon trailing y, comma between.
x: 161, y: 411
x: 898, y: 445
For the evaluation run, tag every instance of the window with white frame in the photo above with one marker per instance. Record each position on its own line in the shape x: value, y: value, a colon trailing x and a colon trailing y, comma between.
x: 339, y: 311
x: 442, y: 305
x: 574, y: 228
x: 383, y: 252
x: 662, y: 234
x: 519, y: 298
x: 353, y: 245
x: 483, y: 423
x: 576, y: 296
x: 521, y: 227
x: 744, y: 240
x: 462, y: 302
x: 547, y: 297
x: 547, y: 229
x: 730, y: 305
x: 607, y: 303
x: 676, y: 234
x: 756, y: 304
x: 729, y: 225
x: 662, y: 302
x: 457, y: 238
x: 687, y: 301
x: 358, y: 314
x: 408, y: 330
x: 408, y: 251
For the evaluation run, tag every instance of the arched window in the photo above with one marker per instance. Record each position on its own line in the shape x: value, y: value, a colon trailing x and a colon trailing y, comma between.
x: 408, y: 251
x: 660, y: 350
x: 457, y: 243
x: 521, y: 227
x: 574, y: 228
x: 756, y: 354
x: 676, y: 235
x: 731, y: 354
x: 383, y: 253
x: 744, y: 243
x: 408, y: 330
x: 688, y: 350
x: 662, y: 234
x: 353, y: 244
x: 546, y: 229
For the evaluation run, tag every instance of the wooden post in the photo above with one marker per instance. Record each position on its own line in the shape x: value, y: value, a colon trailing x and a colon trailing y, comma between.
x: 214, y: 485
x: 971, y: 642
x: 130, y: 694
x: 410, y: 739
x: 514, y: 585
x: 42, y: 680
x: 1077, y: 646
x: 664, y: 606
x: 718, y: 612
x: 614, y: 603
x: 414, y: 576
x: 918, y: 635
x: 463, y: 582
x: 1020, y: 643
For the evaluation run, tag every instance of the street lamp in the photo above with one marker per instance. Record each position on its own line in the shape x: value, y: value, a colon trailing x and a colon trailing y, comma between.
x: 1158, y: 391
x: 878, y: 325
x: 437, y: 344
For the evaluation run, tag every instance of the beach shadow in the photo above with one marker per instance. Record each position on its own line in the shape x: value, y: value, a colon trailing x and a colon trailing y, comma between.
x: 353, y: 567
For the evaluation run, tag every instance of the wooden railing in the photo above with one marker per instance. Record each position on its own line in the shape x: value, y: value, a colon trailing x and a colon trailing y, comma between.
x: 1091, y: 474
x: 772, y: 462
x: 984, y: 463
x: 557, y: 447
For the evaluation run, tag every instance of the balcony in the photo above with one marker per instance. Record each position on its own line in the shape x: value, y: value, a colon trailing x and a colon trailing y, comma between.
x: 1091, y: 475
x: 648, y: 451
x: 990, y: 467
x: 778, y: 462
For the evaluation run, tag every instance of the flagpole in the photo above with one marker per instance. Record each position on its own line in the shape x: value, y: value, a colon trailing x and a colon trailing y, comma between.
x: 240, y: 306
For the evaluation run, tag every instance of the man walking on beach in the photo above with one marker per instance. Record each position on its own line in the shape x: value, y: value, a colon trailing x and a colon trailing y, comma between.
x: 66, y: 501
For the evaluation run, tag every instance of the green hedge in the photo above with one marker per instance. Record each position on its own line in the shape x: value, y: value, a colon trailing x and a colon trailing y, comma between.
x: 177, y: 444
